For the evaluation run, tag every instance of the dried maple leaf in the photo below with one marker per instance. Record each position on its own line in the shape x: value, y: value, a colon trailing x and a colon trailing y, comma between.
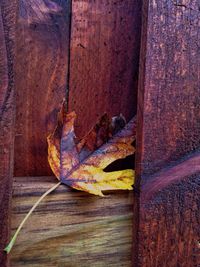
x: 81, y: 164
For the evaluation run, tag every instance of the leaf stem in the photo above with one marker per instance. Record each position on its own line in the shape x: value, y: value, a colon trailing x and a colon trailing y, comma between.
x: 12, y: 241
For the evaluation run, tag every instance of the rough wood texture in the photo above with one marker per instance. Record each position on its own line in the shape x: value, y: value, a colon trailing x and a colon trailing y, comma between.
x: 7, y: 24
x: 169, y: 128
x: 169, y: 92
x: 105, y: 45
x: 169, y: 233
x: 41, y: 75
x: 71, y: 228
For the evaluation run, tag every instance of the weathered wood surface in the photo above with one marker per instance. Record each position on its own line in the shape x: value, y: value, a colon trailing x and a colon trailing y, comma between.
x: 7, y: 27
x: 168, y: 129
x: 169, y: 231
x: 103, y: 74
x: 105, y: 42
x: 71, y: 228
x: 41, y: 75
x: 169, y: 91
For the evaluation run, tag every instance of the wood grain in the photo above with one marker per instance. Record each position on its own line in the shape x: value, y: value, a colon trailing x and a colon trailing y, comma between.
x: 105, y: 42
x: 41, y: 75
x: 7, y: 34
x: 169, y: 91
x: 168, y: 132
x: 71, y: 228
x: 169, y: 233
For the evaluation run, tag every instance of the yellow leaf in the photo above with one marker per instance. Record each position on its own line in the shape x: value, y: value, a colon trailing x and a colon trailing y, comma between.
x: 81, y: 164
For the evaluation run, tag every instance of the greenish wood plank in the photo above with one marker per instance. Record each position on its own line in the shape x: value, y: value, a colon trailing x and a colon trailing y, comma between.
x: 71, y: 228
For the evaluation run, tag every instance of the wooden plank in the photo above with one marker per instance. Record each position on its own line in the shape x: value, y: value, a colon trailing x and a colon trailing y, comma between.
x: 105, y: 43
x: 169, y: 233
x: 71, y: 228
x: 169, y: 91
x: 41, y: 75
x: 7, y: 27
x: 168, y: 129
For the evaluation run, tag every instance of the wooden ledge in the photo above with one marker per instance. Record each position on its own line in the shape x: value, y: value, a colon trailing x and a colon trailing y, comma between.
x: 71, y: 228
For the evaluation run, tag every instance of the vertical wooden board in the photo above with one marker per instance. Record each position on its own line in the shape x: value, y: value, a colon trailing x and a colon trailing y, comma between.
x: 169, y: 232
x: 169, y: 92
x: 41, y: 75
x: 7, y: 30
x: 168, y: 130
x: 105, y: 41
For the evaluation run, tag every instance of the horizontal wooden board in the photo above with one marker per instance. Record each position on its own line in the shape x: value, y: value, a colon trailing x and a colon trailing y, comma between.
x: 71, y: 228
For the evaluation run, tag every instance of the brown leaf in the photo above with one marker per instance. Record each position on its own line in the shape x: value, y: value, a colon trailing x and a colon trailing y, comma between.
x: 96, y: 137
x: 81, y: 164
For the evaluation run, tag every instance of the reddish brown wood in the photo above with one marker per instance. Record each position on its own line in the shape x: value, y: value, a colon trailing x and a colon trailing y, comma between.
x: 169, y: 92
x: 168, y: 129
x: 7, y: 30
x: 41, y: 75
x: 105, y: 45
x: 169, y: 232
